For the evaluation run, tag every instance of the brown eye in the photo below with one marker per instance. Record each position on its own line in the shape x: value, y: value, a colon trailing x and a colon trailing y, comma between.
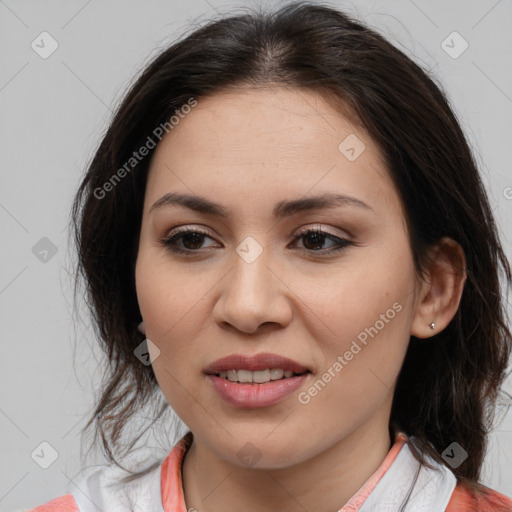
x: 185, y: 241
x: 314, y: 239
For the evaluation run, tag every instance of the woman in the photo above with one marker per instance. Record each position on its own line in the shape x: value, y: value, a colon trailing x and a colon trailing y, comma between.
x: 355, y: 376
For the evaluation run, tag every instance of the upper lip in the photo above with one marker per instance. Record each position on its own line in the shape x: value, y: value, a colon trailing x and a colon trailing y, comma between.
x: 254, y: 363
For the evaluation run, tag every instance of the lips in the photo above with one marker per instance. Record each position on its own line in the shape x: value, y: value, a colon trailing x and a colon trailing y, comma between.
x: 254, y: 363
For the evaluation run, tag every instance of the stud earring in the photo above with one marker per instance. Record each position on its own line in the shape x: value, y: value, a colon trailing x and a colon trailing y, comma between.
x: 432, y: 325
x: 141, y: 328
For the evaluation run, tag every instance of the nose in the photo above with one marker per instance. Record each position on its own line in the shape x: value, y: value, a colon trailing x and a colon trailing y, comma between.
x: 253, y: 296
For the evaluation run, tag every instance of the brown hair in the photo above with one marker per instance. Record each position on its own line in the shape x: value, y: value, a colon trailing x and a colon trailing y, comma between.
x: 448, y: 385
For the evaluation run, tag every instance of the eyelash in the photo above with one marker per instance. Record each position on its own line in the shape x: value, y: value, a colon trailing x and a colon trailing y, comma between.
x: 170, y: 241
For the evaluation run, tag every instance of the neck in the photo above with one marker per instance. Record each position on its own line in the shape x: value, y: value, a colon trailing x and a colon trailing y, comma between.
x: 322, y: 483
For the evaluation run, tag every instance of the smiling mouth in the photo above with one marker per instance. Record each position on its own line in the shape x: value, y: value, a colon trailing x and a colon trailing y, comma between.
x: 257, y: 377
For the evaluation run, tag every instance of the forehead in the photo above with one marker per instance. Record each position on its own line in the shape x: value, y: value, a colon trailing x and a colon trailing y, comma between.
x: 268, y: 141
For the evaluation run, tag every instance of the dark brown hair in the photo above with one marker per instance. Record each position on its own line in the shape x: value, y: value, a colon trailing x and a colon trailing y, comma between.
x: 448, y: 385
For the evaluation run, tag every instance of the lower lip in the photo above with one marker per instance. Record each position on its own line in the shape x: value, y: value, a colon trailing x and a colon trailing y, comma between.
x: 256, y: 395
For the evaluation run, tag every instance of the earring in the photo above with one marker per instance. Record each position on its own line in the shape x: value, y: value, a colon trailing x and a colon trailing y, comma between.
x: 141, y: 328
x: 432, y: 325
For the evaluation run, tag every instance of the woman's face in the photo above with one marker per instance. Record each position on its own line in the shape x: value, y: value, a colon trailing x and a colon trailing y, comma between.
x: 256, y: 280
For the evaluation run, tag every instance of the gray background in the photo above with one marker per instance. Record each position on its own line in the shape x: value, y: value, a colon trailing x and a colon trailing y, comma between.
x: 53, y: 112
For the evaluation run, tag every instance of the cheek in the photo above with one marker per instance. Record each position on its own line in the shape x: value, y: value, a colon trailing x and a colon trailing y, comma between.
x: 168, y: 299
x: 368, y: 313
x: 363, y: 351
x: 171, y: 303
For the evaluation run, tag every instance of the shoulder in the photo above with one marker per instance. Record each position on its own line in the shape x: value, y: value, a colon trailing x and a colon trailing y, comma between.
x: 104, y: 488
x: 62, y: 504
x: 466, y: 499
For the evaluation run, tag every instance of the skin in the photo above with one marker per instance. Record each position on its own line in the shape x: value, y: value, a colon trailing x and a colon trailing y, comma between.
x: 248, y: 150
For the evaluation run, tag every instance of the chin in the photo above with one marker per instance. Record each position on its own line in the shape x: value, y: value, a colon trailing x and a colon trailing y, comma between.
x: 261, y: 453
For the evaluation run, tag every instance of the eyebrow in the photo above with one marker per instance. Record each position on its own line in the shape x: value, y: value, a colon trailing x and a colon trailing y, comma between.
x: 282, y: 209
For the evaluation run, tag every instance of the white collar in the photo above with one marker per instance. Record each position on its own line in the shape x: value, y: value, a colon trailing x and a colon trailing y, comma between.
x: 430, y: 493
x: 143, y: 494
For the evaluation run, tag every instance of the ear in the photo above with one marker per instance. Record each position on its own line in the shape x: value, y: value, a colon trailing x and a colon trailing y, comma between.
x: 441, y: 289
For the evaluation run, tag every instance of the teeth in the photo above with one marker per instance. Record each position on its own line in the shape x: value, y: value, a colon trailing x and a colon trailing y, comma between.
x: 232, y: 375
x: 276, y: 373
x: 259, y: 376
x: 244, y: 376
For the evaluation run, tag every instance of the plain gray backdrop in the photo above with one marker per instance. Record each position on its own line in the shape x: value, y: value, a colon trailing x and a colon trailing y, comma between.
x: 54, y: 108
